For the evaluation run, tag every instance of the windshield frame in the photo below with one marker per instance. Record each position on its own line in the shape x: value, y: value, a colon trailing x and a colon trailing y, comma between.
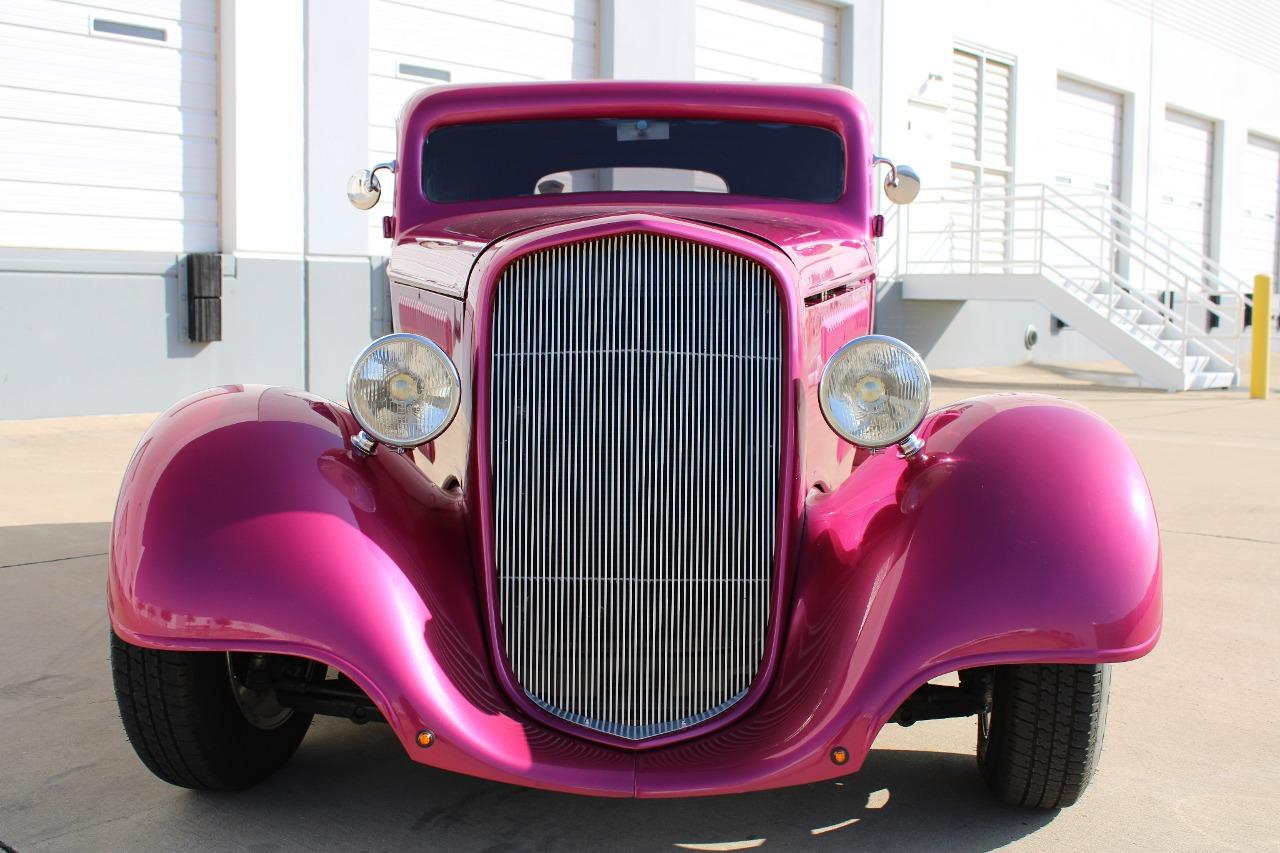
x: 832, y: 107
x: 593, y: 143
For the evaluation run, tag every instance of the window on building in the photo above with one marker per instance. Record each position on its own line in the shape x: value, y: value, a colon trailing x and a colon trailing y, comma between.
x: 982, y: 144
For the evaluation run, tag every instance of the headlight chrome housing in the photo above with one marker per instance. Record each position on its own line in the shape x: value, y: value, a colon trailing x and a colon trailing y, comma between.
x: 403, y: 390
x: 875, y: 392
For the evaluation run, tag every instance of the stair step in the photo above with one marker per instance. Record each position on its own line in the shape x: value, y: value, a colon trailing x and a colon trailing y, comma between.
x: 1210, y: 379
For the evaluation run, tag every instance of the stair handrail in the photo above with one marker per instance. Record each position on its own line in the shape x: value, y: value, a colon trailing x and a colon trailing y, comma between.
x: 1194, y: 280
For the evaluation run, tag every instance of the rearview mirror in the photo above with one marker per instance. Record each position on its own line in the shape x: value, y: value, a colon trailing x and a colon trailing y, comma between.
x: 363, y: 189
x: 902, y: 185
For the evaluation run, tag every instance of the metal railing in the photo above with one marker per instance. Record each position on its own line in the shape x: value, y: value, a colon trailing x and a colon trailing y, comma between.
x: 1178, y: 303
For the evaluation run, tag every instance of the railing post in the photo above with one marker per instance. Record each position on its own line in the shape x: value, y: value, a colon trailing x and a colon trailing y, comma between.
x: 1040, y: 233
x: 974, y: 225
x: 1260, y: 376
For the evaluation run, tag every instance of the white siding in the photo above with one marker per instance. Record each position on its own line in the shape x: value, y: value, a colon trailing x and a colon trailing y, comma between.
x: 108, y: 141
x: 1088, y: 149
x: 1185, y: 206
x: 1245, y: 28
x: 1260, y: 234
x: 774, y: 41
x: 417, y: 43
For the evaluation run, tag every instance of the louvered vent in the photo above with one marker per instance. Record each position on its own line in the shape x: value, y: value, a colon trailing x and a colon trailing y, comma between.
x: 635, y: 428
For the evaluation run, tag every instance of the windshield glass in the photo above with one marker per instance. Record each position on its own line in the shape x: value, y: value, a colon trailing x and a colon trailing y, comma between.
x: 472, y: 162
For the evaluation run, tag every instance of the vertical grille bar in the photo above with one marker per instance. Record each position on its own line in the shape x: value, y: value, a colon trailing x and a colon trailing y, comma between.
x: 635, y: 414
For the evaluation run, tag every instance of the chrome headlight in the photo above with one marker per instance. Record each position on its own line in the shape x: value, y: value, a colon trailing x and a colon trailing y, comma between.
x: 874, y: 391
x: 403, y: 390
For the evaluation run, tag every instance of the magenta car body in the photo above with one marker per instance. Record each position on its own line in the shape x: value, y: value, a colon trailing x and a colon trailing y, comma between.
x: 1023, y: 533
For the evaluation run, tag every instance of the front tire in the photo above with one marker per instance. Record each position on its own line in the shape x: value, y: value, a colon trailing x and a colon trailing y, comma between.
x: 193, y: 721
x: 1040, y: 743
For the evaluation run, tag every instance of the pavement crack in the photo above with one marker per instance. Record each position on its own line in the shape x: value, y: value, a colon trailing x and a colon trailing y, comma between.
x: 5, y: 848
x: 1220, y: 536
x: 52, y: 560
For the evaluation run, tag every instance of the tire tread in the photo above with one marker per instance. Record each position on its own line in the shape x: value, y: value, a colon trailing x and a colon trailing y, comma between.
x: 1046, y: 732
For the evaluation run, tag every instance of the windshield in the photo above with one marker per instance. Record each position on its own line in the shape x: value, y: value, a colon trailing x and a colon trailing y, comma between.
x: 473, y: 162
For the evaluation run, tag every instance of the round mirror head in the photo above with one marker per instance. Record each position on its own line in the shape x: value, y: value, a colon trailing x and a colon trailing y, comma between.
x: 363, y: 189
x: 905, y: 188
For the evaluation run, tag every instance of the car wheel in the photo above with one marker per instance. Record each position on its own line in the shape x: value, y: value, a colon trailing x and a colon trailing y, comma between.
x: 1039, y: 743
x: 204, y: 720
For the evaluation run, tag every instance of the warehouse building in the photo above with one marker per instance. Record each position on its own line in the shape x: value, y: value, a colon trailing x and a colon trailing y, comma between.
x: 1110, y: 202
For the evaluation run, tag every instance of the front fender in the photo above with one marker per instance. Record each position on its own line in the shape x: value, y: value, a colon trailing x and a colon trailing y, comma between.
x: 246, y: 522
x: 1024, y: 533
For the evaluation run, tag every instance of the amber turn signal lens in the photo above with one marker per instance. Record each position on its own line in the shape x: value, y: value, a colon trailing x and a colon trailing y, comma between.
x: 840, y: 755
x: 426, y: 737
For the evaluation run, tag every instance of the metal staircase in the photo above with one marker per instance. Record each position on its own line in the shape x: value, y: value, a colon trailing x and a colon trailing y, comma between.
x: 1172, y: 315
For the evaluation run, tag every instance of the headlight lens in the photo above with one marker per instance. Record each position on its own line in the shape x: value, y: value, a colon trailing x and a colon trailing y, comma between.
x: 874, y: 391
x: 403, y: 390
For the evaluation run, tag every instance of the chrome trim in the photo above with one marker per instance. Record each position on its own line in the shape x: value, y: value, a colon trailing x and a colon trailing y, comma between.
x: 635, y: 440
x: 911, y: 445
x: 362, y: 443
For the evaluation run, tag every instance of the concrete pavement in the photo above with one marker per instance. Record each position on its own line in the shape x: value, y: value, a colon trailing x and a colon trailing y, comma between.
x: 1190, y: 762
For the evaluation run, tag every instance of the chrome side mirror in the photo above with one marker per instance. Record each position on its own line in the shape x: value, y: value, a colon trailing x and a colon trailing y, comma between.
x: 902, y: 184
x: 363, y: 188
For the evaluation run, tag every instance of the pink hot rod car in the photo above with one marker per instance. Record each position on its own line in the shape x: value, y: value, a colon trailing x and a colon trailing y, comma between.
x: 633, y: 502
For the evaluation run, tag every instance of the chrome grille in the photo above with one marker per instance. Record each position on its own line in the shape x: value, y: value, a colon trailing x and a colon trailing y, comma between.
x: 635, y: 411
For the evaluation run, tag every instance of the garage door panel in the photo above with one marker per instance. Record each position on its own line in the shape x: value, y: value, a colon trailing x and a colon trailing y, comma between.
x: 74, y: 19
x: 198, y: 12
x: 1260, y: 231
x: 508, y: 51
x: 103, y: 157
x: 1186, y: 179
x: 104, y: 233
x: 793, y: 15
x: 1088, y: 149
x: 106, y: 68
x: 112, y: 201
x: 555, y: 17
x: 89, y: 111
x: 109, y: 141
x: 785, y: 41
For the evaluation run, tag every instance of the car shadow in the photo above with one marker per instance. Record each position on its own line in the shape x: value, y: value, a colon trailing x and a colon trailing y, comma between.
x: 358, y: 780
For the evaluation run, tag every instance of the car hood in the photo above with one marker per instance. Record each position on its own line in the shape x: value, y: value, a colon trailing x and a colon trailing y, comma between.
x: 822, y: 249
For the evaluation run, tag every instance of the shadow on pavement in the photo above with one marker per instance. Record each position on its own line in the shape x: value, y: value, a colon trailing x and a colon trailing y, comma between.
x: 359, y: 780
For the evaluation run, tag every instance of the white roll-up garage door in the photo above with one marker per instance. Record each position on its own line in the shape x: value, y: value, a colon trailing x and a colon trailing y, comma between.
x: 108, y: 125
x: 775, y: 41
x: 1185, y: 206
x: 1088, y: 150
x: 1260, y: 225
x: 417, y: 43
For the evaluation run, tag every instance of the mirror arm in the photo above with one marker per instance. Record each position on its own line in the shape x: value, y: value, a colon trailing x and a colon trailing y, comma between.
x: 876, y: 160
x: 372, y: 183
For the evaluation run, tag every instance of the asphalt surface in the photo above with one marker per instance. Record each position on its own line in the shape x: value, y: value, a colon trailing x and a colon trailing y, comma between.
x: 1191, y: 757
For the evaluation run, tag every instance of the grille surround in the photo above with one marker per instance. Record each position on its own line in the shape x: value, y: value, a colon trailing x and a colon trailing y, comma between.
x: 724, y: 261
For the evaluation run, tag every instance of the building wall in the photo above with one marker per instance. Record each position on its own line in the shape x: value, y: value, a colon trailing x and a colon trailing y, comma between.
x: 1215, y: 60
x: 305, y: 91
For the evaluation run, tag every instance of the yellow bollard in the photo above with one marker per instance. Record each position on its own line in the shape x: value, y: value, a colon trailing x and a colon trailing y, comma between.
x: 1260, y: 379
